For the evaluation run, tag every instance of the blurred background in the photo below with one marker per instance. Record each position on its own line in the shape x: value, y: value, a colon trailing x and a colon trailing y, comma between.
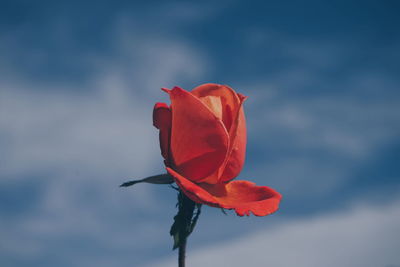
x: 78, y: 81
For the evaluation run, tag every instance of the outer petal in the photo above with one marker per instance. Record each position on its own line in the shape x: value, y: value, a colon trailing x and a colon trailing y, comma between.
x: 242, y: 196
x: 237, y: 148
x: 199, y: 140
x: 162, y: 119
x: 235, y: 157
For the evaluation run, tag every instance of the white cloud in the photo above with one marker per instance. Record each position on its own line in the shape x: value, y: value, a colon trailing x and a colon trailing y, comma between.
x: 363, y: 236
x: 105, y: 126
x: 85, y: 141
x: 349, y: 124
x: 319, y: 138
x: 50, y: 130
x: 316, y: 100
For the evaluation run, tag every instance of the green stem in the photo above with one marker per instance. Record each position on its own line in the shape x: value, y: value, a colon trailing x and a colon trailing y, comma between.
x: 184, y: 223
x: 186, y: 208
x: 182, y: 252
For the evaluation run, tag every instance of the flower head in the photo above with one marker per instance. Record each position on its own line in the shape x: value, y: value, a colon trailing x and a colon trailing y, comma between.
x: 203, y: 142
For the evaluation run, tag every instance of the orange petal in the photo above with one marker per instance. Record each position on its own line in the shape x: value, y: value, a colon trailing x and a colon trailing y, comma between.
x: 162, y: 119
x: 221, y: 99
x: 235, y: 157
x: 237, y: 148
x: 227, y: 105
x: 242, y: 196
x: 199, y: 140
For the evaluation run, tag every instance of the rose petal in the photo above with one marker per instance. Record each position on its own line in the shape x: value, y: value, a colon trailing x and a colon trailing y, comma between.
x: 199, y: 140
x: 229, y: 108
x: 235, y: 157
x: 162, y: 119
x: 229, y: 101
x: 242, y: 196
x: 237, y: 148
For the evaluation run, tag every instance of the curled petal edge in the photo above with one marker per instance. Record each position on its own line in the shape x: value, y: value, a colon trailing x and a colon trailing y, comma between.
x: 242, y: 196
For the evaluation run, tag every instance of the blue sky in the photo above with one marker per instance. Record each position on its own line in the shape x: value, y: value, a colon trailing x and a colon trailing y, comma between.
x: 77, y: 86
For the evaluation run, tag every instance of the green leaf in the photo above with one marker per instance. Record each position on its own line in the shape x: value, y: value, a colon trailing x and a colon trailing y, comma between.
x: 185, y: 220
x: 156, y: 179
x: 195, y: 218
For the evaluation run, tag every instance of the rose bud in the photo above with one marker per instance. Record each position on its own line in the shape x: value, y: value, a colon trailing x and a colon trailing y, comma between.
x: 203, y: 142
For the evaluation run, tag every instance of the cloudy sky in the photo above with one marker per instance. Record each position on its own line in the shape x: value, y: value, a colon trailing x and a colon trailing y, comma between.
x: 78, y: 82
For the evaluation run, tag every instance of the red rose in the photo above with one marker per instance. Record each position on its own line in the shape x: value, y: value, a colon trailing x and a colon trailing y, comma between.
x: 203, y: 142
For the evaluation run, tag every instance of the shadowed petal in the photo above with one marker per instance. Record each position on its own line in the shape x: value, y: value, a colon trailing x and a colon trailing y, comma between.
x: 162, y: 119
x: 237, y: 148
x: 199, y: 140
x: 242, y: 196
